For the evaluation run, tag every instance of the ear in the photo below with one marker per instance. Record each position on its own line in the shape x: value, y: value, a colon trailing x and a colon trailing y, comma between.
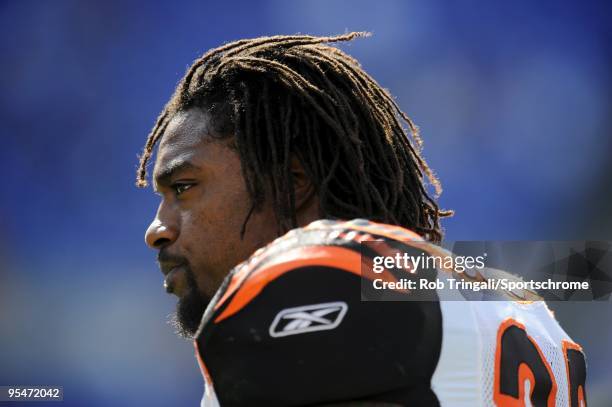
x: 302, y: 185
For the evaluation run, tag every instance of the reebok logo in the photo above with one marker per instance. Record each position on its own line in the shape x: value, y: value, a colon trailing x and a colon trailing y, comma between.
x: 309, y: 318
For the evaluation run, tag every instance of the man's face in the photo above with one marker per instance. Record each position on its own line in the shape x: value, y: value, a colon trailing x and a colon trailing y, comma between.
x: 204, y: 203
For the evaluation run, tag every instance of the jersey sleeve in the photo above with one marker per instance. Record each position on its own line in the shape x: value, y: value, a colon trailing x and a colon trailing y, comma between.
x: 295, y: 331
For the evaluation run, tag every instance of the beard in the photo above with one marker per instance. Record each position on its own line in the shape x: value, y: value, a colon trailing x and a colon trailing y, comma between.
x: 189, y: 309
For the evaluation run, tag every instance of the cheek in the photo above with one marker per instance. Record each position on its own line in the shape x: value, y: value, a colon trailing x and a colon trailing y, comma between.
x: 210, y: 235
x: 262, y: 227
x: 212, y: 226
x: 219, y: 213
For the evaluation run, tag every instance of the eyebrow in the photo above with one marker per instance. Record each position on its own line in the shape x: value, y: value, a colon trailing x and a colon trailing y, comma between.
x: 165, y: 174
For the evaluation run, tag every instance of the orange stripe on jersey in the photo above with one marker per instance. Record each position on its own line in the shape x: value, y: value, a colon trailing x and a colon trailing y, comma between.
x: 203, y: 368
x: 237, y: 278
x: 331, y: 256
x: 385, y: 230
x: 391, y: 232
x: 324, y: 256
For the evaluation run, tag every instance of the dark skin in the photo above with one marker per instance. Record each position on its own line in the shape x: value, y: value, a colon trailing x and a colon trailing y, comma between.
x: 204, y: 202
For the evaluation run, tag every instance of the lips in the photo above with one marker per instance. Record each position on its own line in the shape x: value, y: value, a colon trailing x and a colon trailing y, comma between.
x: 176, y: 281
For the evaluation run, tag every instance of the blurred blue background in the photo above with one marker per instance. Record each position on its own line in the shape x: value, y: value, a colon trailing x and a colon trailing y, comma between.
x: 513, y: 100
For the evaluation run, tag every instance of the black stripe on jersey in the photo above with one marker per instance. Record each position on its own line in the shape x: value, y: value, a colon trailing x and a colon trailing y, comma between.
x: 380, y: 351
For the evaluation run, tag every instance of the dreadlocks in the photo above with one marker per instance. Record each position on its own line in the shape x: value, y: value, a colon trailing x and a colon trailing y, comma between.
x: 286, y: 97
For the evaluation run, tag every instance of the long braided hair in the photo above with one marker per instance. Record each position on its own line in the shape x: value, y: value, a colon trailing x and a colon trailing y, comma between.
x: 286, y: 97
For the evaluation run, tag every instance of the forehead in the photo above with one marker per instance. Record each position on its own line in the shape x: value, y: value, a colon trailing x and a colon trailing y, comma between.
x: 185, y: 138
x: 185, y: 133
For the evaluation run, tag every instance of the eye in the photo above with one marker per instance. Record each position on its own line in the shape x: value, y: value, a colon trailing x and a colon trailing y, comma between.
x: 179, y: 188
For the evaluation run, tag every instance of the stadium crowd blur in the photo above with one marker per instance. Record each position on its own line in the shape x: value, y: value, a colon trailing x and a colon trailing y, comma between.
x: 513, y: 100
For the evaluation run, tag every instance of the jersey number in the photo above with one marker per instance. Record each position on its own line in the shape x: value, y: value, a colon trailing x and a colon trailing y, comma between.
x: 523, y: 377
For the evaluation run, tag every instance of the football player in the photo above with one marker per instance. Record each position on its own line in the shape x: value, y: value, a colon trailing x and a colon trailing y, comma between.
x: 278, y: 157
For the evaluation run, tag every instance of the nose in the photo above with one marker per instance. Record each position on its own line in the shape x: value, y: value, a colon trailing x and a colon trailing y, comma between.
x: 160, y: 232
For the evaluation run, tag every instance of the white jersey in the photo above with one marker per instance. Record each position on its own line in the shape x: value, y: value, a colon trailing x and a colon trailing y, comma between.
x: 499, y: 353
x: 288, y: 327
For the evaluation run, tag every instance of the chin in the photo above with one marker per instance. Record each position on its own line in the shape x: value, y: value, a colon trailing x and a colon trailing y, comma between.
x: 189, y: 311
